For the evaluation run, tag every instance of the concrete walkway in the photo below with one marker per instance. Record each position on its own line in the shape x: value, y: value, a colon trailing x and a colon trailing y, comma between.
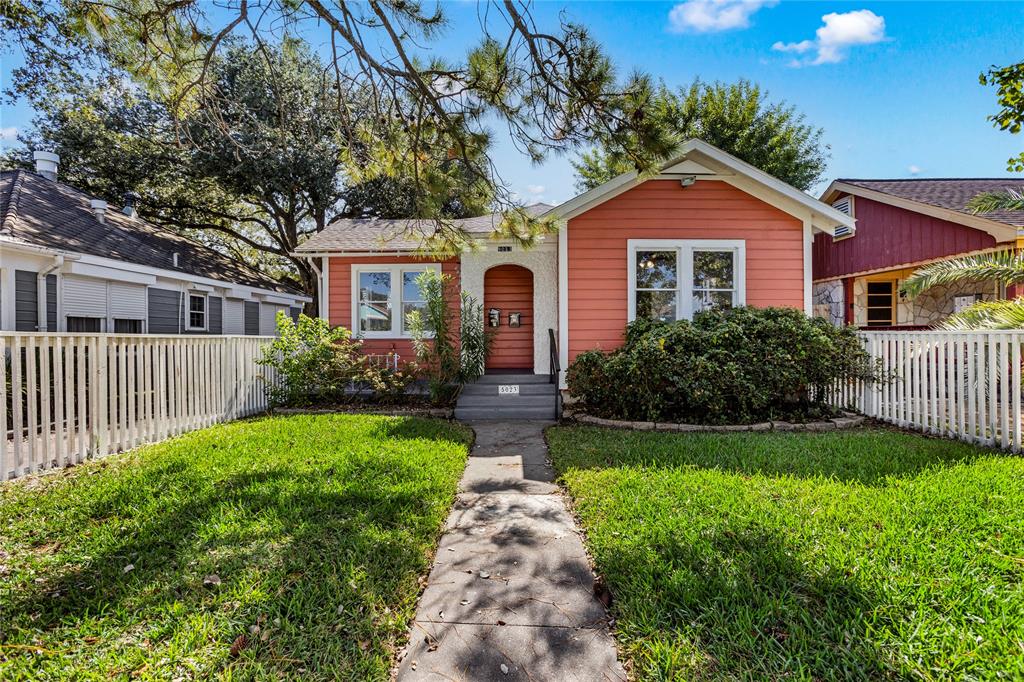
x: 511, y: 594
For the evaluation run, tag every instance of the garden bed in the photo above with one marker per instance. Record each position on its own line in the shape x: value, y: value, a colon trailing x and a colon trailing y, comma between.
x: 863, y: 554
x: 283, y: 547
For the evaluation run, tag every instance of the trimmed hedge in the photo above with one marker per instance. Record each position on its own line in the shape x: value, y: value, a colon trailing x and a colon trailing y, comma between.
x: 727, y: 366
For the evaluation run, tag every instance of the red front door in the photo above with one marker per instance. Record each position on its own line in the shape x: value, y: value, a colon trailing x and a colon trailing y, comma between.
x: 509, y: 289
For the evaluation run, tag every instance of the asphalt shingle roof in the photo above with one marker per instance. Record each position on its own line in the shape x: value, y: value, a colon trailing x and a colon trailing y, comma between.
x: 50, y: 214
x: 372, y: 234
x: 951, y: 193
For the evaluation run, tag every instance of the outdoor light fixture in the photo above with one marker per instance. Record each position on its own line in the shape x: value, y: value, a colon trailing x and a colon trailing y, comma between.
x: 687, y: 180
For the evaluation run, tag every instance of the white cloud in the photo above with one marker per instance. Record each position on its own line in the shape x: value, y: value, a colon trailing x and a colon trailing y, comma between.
x: 8, y: 133
x: 914, y: 170
x: 535, y: 189
x: 709, y: 16
x: 836, y: 36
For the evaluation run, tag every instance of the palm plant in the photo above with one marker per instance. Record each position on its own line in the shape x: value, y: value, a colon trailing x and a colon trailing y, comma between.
x: 988, y: 202
x: 1006, y: 267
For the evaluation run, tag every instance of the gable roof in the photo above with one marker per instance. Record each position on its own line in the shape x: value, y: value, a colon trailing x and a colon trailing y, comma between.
x: 701, y: 160
x: 944, y: 198
x: 362, y: 235
x: 52, y: 215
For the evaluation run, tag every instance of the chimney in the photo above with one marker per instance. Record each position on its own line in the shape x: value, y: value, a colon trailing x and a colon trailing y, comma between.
x: 99, y: 209
x: 131, y: 201
x: 46, y: 164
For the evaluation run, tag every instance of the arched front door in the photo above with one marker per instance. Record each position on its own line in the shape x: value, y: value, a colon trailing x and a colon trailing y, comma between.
x: 509, y: 290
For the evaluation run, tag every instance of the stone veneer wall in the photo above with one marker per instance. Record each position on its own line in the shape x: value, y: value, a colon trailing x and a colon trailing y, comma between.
x: 828, y: 301
x: 542, y: 261
x: 929, y: 308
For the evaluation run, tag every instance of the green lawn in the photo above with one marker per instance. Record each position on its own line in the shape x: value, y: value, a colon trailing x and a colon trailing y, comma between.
x: 317, y: 527
x: 849, y: 555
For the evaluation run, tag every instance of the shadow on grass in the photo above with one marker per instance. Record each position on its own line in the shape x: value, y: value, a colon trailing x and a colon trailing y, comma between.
x: 865, y: 456
x: 736, y: 604
x: 322, y: 556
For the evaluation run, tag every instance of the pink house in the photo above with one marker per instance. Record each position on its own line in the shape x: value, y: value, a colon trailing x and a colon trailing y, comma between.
x: 707, y: 230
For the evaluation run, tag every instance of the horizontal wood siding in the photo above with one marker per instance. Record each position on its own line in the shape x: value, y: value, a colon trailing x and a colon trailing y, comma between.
x: 661, y: 209
x: 252, y: 318
x: 339, y: 297
x: 164, y: 311
x: 510, y: 289
x: 889, y: 236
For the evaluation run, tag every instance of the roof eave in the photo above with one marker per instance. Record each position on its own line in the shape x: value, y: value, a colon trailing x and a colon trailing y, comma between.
x: 823, y: 217
x: 1001, y: 232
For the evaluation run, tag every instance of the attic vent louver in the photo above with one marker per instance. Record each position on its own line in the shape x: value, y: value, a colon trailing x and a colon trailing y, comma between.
x: 844, y: 205
x: 175, y: 259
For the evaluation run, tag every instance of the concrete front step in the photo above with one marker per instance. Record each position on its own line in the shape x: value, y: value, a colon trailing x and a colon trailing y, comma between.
x: 513, y: 379
x: 481, y: 390
x: 503, y: 401
x: 484, y: 413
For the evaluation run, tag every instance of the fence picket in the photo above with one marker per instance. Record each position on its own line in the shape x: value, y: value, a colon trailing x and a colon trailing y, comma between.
x: 964, y: 385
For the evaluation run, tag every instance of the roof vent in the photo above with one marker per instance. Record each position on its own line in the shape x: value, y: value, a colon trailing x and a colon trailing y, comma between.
x: 131, y: 201
x: 46, y: 164
x: 99, y: 209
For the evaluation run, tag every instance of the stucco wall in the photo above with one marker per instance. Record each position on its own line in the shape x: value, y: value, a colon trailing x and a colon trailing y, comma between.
x: 542, y: 261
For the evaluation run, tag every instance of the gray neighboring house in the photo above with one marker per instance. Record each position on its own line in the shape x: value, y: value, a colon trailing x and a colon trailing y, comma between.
x: 68, y: 262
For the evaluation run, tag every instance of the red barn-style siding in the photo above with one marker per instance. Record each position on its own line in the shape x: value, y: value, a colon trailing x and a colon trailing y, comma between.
x: 888, y: 237
x: 340, y: 297
x: 661, y: 209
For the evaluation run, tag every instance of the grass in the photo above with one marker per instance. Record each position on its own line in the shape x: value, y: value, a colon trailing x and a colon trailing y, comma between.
x: 317, y: 527
x: 868, y: 554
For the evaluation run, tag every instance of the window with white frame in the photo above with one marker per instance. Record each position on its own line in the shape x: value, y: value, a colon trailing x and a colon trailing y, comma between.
x: 383, y: 296
x: 196, y: 312
x: 674, y: 279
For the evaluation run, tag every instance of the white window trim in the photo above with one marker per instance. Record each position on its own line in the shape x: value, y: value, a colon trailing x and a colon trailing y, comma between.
x: 685, y: 248
x: 395, y: 299
x: 188, y: 310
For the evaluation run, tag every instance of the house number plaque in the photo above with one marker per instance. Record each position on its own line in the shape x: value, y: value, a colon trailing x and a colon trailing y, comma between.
x: 508, y: 389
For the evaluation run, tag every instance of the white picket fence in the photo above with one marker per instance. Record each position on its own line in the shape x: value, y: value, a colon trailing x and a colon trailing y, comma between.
x: 964, y: 385
x: 72, y: 397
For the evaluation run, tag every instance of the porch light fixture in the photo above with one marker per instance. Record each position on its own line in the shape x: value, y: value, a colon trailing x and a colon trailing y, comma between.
x: 687, y: 180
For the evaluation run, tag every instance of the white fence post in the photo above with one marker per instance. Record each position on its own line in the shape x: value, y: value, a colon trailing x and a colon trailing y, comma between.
x: 71, y: 397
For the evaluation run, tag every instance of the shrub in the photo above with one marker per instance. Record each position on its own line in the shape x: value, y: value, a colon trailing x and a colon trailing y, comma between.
x: 319, y: 365
x: 727, y: 366
x: 451, y: 350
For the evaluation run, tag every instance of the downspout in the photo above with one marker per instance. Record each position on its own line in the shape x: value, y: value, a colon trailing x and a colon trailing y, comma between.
x: 41, y: 321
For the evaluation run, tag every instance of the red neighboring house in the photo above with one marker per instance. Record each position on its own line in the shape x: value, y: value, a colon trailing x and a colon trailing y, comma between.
x: 708, y: 230
x: 900, y: 226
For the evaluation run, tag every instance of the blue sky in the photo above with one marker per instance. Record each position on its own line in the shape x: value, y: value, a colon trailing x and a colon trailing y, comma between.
x: 894, y: 85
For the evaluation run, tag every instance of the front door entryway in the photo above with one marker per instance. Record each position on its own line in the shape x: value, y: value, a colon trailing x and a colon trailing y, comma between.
x: 508, y: 307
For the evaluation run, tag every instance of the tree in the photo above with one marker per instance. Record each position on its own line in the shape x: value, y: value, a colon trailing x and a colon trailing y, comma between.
x: 255, y: 166
x: 1009, y: 84
x: 737, y: 118
x: 553, y: 89
x: 1005, y: 267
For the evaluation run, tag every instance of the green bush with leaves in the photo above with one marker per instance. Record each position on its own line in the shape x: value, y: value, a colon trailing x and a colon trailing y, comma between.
x: 320, y: 365
x: 726, y: 366
x: 451, y: 349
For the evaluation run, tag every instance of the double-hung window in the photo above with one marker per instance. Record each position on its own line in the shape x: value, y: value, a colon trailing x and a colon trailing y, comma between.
x: 383, y: 296
x: 674, y: 279
x: 196, y: 319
